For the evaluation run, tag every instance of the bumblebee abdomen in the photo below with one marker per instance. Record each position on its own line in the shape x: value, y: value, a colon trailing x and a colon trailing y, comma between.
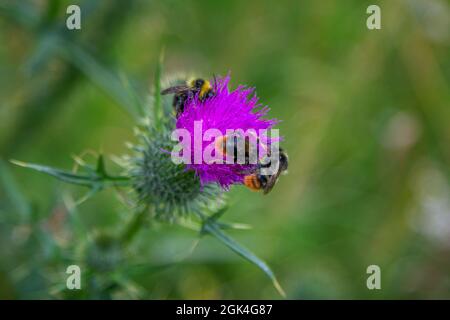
x: 252, y: 182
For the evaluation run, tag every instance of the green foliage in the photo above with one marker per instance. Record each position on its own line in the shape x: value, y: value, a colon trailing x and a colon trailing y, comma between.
x: 167, y: 189
x: 365, y: 120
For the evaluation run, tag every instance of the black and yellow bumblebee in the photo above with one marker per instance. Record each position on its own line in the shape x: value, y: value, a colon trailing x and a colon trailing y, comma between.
x: 256, y: 181
x: 199, y: 86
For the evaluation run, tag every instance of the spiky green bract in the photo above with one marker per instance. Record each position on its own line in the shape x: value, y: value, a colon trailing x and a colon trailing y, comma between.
x: 169, y: 188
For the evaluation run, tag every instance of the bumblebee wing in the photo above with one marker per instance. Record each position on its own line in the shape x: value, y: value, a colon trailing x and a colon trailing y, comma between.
x: 271, y: 182
x: 175, y: 89
x: 247, y: 171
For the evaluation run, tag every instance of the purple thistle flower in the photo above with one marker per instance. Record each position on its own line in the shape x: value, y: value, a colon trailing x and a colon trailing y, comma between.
x: 238, y: 109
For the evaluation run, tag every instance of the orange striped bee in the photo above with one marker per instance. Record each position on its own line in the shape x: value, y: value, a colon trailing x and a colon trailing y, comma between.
x: 225, y: 145
x: 256, y: 181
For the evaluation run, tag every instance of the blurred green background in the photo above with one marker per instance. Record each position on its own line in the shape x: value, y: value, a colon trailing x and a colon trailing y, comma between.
x: 366, y: 124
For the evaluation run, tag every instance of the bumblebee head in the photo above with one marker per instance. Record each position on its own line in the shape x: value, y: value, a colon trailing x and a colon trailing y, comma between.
x: 202, y: 86
x: 283, y: 160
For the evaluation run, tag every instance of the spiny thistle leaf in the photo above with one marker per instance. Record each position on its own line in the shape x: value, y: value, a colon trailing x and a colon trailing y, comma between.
x: 96, y: 180
x: 209, y: 226
x: 101, y: 166
x: 19, y: 202
x: 214, y: 218
x: 232, y: 225
x: 135, y: 97
x: 106, y: 79
x: 216, y: 215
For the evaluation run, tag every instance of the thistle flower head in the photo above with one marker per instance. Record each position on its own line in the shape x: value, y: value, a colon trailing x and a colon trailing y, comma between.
x: 227, y: 109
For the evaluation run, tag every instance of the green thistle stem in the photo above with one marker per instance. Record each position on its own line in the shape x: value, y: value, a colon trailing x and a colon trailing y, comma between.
x: 134, y: 226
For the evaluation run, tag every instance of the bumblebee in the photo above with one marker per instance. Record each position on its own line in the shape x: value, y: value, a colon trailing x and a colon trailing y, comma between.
x: 256, y: 181
x: 225, y: 144
x: 198, y: 86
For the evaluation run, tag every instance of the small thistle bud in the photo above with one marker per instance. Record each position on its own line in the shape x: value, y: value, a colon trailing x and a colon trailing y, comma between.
x: 103, y: 253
